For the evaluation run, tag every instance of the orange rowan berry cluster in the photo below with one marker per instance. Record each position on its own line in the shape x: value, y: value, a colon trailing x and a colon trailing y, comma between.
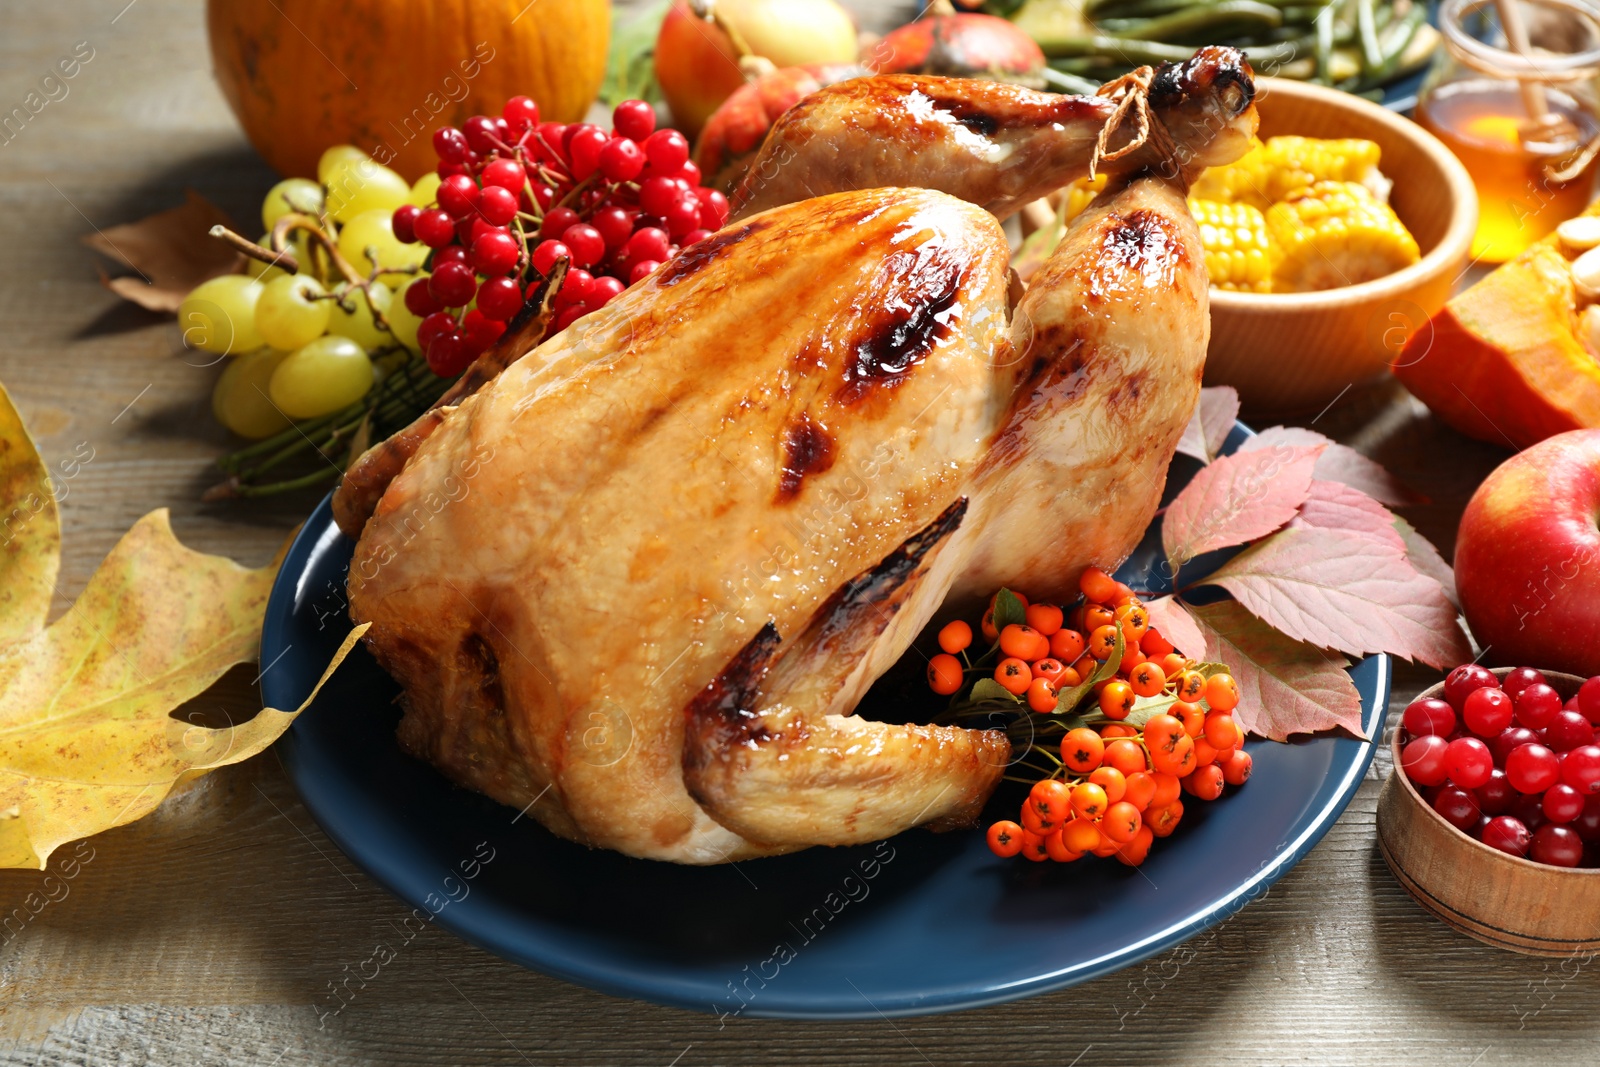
x: 1117, y: 786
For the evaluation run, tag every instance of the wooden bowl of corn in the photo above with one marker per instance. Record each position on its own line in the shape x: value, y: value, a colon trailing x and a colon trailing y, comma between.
x: 1360, y: 275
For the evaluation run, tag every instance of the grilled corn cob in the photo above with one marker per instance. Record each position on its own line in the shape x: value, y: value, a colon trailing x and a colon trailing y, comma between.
x: 1284, y: 166
x: 1235, y: 240
x: 1335, y: 234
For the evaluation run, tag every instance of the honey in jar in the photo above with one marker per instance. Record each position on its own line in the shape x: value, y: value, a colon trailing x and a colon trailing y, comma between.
x: 1510, y: 156
x: 1519, y: 119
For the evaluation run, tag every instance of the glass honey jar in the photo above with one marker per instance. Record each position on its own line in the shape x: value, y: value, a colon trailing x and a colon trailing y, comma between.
x: 1522, y: 115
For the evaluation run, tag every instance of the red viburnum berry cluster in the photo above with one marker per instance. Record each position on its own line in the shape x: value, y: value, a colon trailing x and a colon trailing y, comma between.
x: 518, y: 195
x: 1510, y: 763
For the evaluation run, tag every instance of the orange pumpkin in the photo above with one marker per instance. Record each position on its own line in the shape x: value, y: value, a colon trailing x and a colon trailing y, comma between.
x: 302, y: 75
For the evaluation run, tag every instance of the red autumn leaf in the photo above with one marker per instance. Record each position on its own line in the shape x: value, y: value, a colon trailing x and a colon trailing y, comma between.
x: 1336, y: 506
x: 1346, y: 590
x: 1426, y: 558
x: 1237, y: 499
x: 1211, y: 423
x: 1339, y: 463
x: 1285, y: 687
x: 1177, y: 626
x: 173, y: 251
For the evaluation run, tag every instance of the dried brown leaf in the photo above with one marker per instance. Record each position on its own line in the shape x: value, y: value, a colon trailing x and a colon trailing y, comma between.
x: 172, y: 251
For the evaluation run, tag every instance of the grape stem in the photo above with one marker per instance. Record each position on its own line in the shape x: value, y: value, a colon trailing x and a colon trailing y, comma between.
x: 284, y: 261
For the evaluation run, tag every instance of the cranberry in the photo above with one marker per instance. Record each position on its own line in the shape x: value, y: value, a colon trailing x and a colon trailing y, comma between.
x: 404, y: 223
x: 449, y: 355
x: 419, y: 301
x: 587, y: 246
x: 649, y: 244
x: 1528, y: 810
x: 634, y: 119
x: 546, y: 254
x: 1580, y: 768
x: 641, y: 270
x: 1559, y: 846
x: 497, y: 205
x: 1536, y: 704
x: 1458, y: 806
x: 556, y: 220
x: 504, y: 173
x: 521, y: 113
x: 499, y: 298
x: 1423, y: 760
x: 1496, y: 795
x: 614, y: 225
x: 657, y: 195
x: 575, y: 288
x: 1429, y: 715
x: 480, y: 330
x: 1568, y: 730
x: 1463, y: 680
x: 1509, y: 739
x: 1588, y: 699
x: 621, y: 160
x: 434, y: 228
x: 458, y: 195
x: 1468, y: 762
x: 1562, y: 803
x: 1486, y: 711
x: 713, y: 208
x: 433, y: 326
x: 453, y: 284
x: 449, y: 254
x: 1508, y: 835
x: 1588, y: 823
x: 450, y: 145
x: 495, y: 252
x: 481, y: 134
x: 667, y: 150
x: 584, y: 144
x: 603, y: 289
x: 1532, y: 768
x: 1519, y: 679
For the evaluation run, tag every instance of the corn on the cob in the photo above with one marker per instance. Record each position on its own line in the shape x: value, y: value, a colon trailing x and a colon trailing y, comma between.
x: 1284, y: 166
x: 1335, y: 234
x: 1235, y: 240
x: 1080, y: 193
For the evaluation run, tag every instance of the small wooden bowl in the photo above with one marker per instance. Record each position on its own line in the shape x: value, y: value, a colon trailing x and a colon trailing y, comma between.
x: 1497, y: 898
x: 1289, y: 353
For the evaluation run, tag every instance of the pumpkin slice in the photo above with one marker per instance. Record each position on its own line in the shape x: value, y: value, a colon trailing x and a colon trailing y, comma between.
x: 1502, y: 361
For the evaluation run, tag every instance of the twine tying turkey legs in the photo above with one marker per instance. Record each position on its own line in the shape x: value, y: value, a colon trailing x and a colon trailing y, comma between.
x: 1131, y: 92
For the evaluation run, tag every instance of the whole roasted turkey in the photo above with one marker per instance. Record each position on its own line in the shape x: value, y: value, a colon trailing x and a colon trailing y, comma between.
x: 636, y: 582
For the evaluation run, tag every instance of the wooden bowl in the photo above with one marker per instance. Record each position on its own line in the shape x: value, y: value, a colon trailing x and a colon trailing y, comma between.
x: 1289, y: 353
x: 1497, y: 898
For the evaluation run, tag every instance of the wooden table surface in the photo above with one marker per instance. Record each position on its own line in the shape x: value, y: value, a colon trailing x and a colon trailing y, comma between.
x: 206, y: 933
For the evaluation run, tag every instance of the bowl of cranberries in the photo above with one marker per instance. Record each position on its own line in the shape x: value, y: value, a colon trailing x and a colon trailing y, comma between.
x: 1491, y: 818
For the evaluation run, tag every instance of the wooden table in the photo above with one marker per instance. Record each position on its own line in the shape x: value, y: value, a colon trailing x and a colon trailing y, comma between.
x: 206, y: 933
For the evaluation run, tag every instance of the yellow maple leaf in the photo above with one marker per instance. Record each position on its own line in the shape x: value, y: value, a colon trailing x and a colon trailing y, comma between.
x: 30, y: 532
x: 86, y: 738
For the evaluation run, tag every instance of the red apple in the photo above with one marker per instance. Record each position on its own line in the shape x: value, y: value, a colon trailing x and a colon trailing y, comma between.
x: 962, y: 45
x: 1528, y: 557
x: 698, y: 66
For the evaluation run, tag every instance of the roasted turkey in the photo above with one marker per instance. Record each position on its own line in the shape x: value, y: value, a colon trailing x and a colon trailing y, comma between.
x: 636, y: 582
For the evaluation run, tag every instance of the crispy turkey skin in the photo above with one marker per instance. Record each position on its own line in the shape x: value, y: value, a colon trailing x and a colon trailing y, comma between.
x: 637, y: 583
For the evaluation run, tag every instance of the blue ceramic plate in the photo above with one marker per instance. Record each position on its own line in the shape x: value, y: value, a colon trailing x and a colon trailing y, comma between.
x: 921, y: 923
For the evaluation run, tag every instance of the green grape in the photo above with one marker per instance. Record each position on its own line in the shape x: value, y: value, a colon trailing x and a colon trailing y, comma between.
x: 220, y: 315
x: 290, y: 315
x: 425, y: 191
x: 291, y: 194
x: 363, y: 185
x: 240, y: 400
x: 352, y: 315
x: 336, y: 157
x: 375, y: 230
x: 403, y: 323
x: 328, y: 374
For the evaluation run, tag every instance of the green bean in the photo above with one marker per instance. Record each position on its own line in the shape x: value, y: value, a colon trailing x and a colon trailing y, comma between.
x: 1393, y: 46
x: 1132, y: 52
x: 1324, y: 46
x: 1367, y: 24
x: 1206, y: 19
x: 1070, y: 83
